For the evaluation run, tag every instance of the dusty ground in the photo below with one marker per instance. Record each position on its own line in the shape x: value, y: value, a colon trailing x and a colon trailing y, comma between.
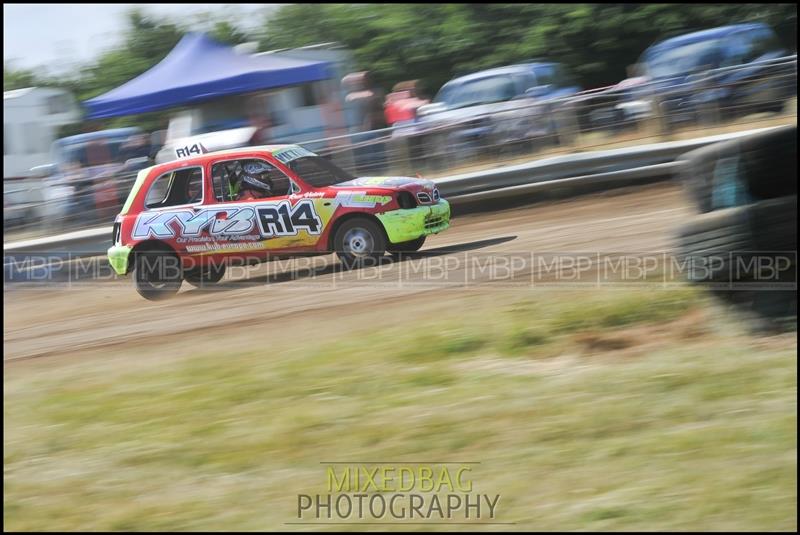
x: 265, y: 303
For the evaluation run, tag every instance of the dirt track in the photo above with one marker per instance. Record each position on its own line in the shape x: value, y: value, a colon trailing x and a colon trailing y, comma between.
x: 108, y: 318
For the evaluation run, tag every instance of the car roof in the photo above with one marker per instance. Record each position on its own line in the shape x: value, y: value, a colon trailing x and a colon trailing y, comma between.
x: 101, y: 134
x: 203, y: 158
x: 499, y: 71
x: 704, y: 35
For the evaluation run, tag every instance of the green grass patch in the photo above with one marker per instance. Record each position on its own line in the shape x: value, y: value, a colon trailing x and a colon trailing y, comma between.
x: 694, y: 434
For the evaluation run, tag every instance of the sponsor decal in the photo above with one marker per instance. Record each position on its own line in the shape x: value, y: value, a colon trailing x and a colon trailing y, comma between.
x: 390, y: 181
x: 195, y: 149
x: 284, y: 219
x: 360, y: 199
x: 287, y: 155
x: 273, y: 219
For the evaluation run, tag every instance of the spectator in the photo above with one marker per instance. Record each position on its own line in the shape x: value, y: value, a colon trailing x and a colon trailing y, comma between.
x: 365, y: 104
x: 402, y: 103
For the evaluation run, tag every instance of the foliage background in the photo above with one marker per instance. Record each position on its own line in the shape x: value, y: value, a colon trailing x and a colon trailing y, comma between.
x: 428, y: 42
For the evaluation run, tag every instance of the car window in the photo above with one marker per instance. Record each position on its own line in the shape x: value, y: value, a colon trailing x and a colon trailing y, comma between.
x: 248, y: 178
x: 482, y: 91
x: 526, y: 81
x: 761, y: 42
x: 544, y: 74
x: 173, y: 188
x: 318, y: 172
x: 737, y: 50
x: 562, y: 77
x: 684, y: 59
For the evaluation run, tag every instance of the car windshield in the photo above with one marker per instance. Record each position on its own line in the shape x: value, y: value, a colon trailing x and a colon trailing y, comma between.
x: 318, y: 172
x: 684, y: 59
x: 481, y: 91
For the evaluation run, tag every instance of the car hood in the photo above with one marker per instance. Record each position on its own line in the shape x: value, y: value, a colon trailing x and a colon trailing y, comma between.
x: 390, y: 182
x: 469, y: 112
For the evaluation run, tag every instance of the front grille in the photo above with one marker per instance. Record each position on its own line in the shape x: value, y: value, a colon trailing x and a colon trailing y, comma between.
x: 423, y: 197
x: 434, y: 222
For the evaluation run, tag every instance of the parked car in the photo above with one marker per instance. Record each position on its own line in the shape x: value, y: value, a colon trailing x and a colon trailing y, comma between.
x: 90, y: 172
x: 731, y: 71
x: 495, y: 106
x: 188, y: 219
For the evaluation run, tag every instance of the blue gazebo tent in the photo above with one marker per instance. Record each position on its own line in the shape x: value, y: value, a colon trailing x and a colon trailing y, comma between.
x: 200, y: 69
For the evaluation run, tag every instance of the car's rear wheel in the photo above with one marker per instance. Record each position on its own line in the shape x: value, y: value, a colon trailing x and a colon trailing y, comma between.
x: 359, y: 242
x: 157, y: 274
x: 204, y: 276
x: 407, y: 246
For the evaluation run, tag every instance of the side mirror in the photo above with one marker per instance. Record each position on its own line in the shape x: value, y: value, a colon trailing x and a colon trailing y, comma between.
x: 539, y: 91
x: 43, y: 171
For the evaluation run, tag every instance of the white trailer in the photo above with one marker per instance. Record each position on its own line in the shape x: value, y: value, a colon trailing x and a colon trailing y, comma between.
x: 31, y: 119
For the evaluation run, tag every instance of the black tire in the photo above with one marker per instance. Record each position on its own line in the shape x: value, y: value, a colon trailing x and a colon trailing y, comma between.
x: 407, y: 246
x: 730, y: 240
x: 157, y: 274
x: 204, y: 276
x: 359, y: 242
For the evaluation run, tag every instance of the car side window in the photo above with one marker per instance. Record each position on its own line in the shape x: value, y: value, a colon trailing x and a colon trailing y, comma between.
x: 562, y: 77
x: 248, y: 179
x: 544, y: 74
x: 761, y: 42
x: 738, y: 48
x: 177, y: 187
x: 525, y: 81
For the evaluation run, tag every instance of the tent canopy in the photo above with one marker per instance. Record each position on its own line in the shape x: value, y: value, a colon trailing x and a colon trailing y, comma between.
x: 199, y: 69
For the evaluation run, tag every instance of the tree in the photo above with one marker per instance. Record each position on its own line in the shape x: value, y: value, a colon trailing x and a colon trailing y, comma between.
x: 435, y: 42
x: 18, y: 78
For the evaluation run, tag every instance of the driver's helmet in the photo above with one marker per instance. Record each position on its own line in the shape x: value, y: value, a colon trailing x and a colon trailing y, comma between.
x: 255, y: 175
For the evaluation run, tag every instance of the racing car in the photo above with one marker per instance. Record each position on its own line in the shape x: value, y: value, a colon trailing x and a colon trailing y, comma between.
x: 189, y: 218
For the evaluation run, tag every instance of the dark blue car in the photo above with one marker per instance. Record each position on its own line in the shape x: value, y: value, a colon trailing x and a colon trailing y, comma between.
x: 728, y: 71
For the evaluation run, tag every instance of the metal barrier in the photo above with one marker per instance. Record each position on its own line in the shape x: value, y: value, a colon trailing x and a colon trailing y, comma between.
x: 579, y: 173
x: 519, y: 131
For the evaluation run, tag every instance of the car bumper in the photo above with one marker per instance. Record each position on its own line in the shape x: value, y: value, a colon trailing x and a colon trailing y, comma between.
x: 118, y: 258
x: 410, y: 224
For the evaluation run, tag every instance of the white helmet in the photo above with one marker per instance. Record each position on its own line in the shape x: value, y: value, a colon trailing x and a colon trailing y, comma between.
x: 255, y: 176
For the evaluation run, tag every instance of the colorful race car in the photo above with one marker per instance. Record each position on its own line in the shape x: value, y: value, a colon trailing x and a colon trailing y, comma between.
x: 189, y: 218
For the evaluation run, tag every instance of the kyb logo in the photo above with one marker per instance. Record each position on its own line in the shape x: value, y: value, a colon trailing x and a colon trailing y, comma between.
x: 280, y: 219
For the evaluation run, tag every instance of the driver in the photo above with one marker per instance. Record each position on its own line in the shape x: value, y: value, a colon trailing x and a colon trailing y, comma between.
x: 252, y: 182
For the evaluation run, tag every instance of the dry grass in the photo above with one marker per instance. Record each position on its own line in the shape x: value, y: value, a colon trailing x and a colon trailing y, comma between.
x: 612, y: 410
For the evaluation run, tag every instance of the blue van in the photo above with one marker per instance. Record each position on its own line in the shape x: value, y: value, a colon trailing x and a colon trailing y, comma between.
x: 731, y: 68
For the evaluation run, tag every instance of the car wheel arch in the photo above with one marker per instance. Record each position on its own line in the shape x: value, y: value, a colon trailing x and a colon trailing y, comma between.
x: 347, y: 217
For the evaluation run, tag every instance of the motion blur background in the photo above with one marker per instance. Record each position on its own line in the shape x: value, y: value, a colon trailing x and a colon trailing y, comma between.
x: 635, y: 406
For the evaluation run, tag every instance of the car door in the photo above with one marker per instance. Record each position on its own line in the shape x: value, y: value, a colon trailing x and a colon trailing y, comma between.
x: 274, y: 220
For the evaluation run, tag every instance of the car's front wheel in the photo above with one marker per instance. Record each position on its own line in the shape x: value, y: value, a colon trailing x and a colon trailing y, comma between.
x: 157, y: 274
x: 359, y: 242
